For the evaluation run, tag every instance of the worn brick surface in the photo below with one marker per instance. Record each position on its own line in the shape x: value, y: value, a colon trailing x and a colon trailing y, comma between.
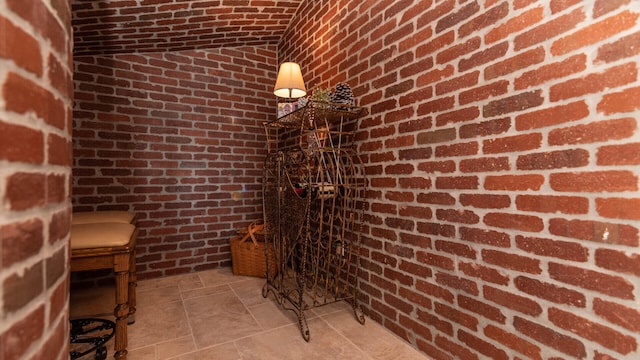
x: 500, y: 144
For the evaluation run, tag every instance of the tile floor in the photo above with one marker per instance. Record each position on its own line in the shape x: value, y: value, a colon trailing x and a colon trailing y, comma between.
x: 216, y: 315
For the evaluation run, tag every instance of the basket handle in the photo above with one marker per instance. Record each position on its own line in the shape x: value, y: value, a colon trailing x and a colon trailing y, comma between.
x: 251, y: 229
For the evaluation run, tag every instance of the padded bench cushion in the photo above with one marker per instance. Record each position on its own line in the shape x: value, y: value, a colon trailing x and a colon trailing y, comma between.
x: 91, y: 217
x: 100, y: 235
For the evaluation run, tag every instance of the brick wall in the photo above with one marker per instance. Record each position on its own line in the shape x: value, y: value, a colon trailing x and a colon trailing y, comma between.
x: 177, y: 138
x: 35, y: 172
x: 502, y: 150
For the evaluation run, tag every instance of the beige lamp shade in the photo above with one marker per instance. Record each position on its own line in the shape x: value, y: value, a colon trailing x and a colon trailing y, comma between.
x: 290, y: 83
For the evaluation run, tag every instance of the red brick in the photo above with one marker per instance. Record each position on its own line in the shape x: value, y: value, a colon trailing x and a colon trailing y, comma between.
x: 552, y: 116
x: 595, y: 231
x: 485, y: 201
x: 436, y: 229
x: 512, y: 143
x: 415, y: 183
x: 23, y: 96
x: 485, y: 19
x: 433, y: 76
x: 596, y: 181
x: 485, y: 128
x: 417, y: 212
x: 436, y: 136
x: 428, y: 17
x: 514, y: 221
x: 559, y: 5
x: 25, y: 190
x: 603, y: 335
x: 436, y: 198
x: 434, y: 290
x: 485, y: 164
x: 483, y: 272
x: 20, y: 241
x: 460, y: 115
x: 627, y: 46
x: 488, y: 311
x: 553, y: 204
x: 595, y: 82
x: 434, y: 321
x: 21, y: 289
x: 437, y: 166
x: 628, y: 318
x: 414, y: 38
x: 456, y: 316
x: 549, y: 337
x: 550, y: 292
x: 515, y: 25
x: 22, y: 334
x: 515, y: 63
x: 457, y: 182
x: 552, y: 71
x: 457, y: 282
x: 460, y: 149
x: 20, y: 47
x: 618, y: 208
x: 553, y: 160
x: 602, y: 7
x: 21, y: 144
x: 565, y: 250
x: 484, y: 56
x: 436, y: 44
x: 416, y: 328
x: 454, y: 18
x: 482, y: 346
x: 482, y: 236
x: 514, y: 103
x: 514, y: 342
x: 459, y: 351
x: 435, y: 260
x: 449, y: 54
x: 417, y: 270
x: 459, y: 216
x: 626, y: 154
x: 56, y: 188
x: 619, y: 102
x: 515, y: 302
x: 596, y: 131
x: 512, y: 261
x: 618, y: 261
x: 457, y: 83
x: 550, y: 29
x: 455, y: 248
x: 588, y: 279
x: 484, y: 92
x: 595, y: 32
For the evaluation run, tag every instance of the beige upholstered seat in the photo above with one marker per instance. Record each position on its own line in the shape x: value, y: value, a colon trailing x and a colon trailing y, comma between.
x: 91, y: 217
x: 109, y: 245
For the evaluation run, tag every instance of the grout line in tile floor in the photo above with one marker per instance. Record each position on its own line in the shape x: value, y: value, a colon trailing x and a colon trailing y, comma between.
x: 216, y: 315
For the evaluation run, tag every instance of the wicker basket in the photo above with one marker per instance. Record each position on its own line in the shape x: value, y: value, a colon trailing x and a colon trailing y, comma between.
x: 248, y: 257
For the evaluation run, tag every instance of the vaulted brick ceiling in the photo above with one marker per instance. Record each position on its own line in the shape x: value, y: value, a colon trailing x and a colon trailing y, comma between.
x: 128, y: 26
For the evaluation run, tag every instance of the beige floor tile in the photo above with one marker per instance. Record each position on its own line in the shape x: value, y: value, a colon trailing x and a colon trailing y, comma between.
x: 145, y: 353
x: 158, y: 322
x: 226, y: 351
x: 219, y: 276
x: 159, y: 295
x: 270, y: 315
x: 175, y: 347
x: 286, y: 343
x: 376, y: 341
x: 250, y: 291
x: 216, y: 315
x: 219, y: 318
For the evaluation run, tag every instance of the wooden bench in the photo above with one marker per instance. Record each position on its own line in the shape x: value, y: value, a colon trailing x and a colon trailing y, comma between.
x: 107, y: 240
